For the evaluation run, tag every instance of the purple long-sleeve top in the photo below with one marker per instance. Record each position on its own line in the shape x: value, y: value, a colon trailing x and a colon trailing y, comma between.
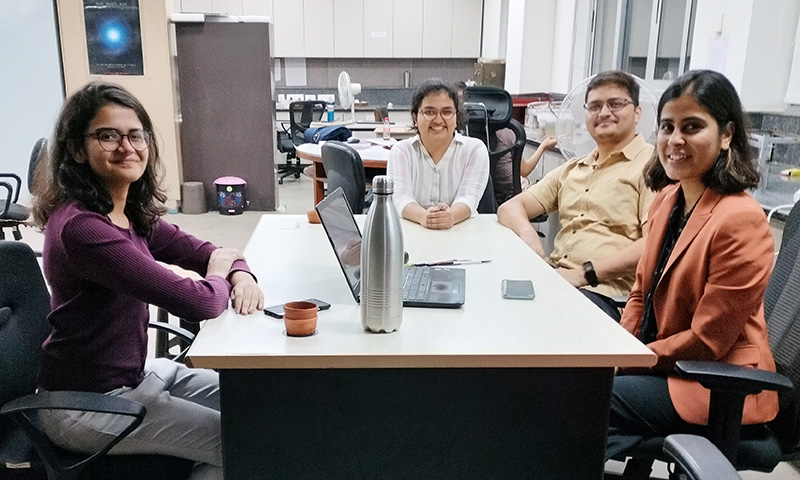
x: 102, y: 279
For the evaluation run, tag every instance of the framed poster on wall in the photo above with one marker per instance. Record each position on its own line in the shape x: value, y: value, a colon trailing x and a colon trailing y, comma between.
x: 113, y: 37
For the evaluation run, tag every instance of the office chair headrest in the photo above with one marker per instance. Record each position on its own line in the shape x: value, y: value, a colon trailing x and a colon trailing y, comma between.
x: 497, y: 101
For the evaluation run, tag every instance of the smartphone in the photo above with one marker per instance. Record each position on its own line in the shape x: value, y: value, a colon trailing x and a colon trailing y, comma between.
x: 277, y: 310
x: 518, y: 289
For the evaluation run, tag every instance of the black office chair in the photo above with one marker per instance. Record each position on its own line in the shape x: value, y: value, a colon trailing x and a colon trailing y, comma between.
x: 488, y: 110
x: 301, y: 114
x: 344, y: 168
x: 698, y: 458
x: 752, y: 447
x: 381, y: 114
x: 12, y: 213
x: 24, y: 447
x: 488, y: 201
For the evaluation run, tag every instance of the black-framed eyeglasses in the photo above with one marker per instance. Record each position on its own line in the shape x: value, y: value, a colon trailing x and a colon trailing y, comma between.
x: 110, y: 138
x: 613, y: 104
x: 430, y: 113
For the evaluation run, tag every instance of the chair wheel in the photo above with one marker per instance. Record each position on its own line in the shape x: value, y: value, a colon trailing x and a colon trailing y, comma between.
x: 296, y: 174
x: 280, y: 181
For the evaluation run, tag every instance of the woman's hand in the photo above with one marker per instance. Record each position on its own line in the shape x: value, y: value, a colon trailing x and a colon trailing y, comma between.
x: 549, y: 142
x: 221, y: 261
x: 439, y: 217
x: 246, y: 296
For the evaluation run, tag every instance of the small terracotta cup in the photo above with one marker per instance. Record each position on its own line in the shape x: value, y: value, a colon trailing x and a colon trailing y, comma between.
x: 300, y: 318
x: 312, y: 216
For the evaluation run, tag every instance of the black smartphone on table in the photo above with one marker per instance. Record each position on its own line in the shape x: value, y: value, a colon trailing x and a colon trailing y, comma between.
x: 277, y: 310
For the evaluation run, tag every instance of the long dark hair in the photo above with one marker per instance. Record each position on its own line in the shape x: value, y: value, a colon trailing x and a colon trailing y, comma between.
x: 435, y: 85
x: 735, y: 170
x: 61, y: 179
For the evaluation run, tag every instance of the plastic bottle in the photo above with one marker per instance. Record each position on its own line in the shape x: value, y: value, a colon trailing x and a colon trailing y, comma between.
x: 387, y: 129
x: 382, y: 262
x: 330, y: 111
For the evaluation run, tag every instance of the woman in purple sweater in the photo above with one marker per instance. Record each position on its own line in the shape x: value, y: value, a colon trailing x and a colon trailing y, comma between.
x: 100, y: 203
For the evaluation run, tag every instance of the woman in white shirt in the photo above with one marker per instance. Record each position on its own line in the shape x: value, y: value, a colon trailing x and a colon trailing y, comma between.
x: 439, y: 175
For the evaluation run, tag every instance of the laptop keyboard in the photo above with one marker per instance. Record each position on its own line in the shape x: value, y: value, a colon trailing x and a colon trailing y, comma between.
x: 416, y: 283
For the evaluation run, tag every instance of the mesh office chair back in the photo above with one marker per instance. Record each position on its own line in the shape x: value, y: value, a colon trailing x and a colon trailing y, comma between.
x: 488, y: 109
x: 783, y: 320
x: 301, y: 114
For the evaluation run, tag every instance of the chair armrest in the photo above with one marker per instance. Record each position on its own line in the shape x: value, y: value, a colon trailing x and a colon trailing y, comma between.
x: 173, y: 329
x: 82, y: 401
x: 713, y: 375
x: 179, y: 332
x: 620, y: 300
x: 17, y: 180
x: 22, y: 411
x: 8, y: 203
x: 699, y: 458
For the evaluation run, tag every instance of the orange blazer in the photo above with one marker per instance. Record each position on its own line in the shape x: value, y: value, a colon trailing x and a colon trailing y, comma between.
x: 709, y: 303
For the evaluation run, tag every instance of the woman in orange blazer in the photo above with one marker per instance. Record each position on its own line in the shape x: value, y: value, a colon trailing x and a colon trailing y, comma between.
x: 699, y: 291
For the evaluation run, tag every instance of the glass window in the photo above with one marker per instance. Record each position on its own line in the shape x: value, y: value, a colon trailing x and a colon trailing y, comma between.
x: 648, y: 38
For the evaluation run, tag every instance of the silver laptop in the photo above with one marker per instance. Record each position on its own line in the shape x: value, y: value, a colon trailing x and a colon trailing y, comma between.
x: 439, y: 287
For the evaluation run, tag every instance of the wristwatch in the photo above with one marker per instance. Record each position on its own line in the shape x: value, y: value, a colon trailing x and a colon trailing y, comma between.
x: 589, y: 274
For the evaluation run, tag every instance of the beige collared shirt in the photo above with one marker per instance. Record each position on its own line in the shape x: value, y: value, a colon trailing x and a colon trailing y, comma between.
x: 602, y: 208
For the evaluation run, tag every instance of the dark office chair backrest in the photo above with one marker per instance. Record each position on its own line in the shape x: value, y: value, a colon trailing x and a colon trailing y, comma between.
x: 37, y: 154
x: 488, y: 202
x: 515, y: 150
x: 782, y: 310
x: 488, y: 110
x: 24, y: 307
x: 344, y: 168
x: 301, y: 114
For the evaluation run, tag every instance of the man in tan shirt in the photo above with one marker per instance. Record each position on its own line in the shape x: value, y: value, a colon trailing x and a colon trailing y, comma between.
x: 601, y: 198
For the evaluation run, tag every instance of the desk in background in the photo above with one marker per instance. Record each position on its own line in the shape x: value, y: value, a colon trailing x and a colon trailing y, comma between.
x: 372, y: 157
x: 496, y: 389
x: 398, y: 130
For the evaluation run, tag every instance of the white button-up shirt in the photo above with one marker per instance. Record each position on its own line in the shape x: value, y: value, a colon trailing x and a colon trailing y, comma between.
x: 459, y: 177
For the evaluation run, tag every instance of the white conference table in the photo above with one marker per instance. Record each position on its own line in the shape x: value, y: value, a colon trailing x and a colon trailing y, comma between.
x: 489, y: 390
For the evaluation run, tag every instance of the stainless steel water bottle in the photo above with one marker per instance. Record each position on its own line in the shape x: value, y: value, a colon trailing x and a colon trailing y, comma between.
x: 382, y: 262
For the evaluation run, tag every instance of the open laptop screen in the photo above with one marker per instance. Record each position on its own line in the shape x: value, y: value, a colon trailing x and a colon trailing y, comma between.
x: 345, y: 237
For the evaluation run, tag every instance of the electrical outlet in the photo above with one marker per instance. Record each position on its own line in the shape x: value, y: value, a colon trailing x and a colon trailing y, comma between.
x: 295, y: 97
x: 310, y: 96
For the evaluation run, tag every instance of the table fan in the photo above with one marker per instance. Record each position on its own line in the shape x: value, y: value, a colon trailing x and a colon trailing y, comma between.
x: 347, y: 94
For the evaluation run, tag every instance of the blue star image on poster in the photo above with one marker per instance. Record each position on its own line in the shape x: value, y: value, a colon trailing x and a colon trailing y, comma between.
x: 113, y: 37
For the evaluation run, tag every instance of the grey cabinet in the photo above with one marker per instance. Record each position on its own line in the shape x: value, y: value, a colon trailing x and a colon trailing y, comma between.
x: 226, y: 107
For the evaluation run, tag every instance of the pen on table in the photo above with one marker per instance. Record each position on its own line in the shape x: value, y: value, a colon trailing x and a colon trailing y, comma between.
x: 451, y: 262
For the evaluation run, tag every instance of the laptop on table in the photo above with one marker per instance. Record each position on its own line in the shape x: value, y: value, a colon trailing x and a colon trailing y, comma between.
x: 439, y: 287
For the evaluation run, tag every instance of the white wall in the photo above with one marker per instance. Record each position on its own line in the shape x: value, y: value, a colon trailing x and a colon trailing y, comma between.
x: 769, y: 54
x: 495, y: 28
x: 30, y: 75
x: 722, y: 50
x: 529, y: 46
x: 754, y: 48
x: 793, y: 89
x: 563, y: 45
